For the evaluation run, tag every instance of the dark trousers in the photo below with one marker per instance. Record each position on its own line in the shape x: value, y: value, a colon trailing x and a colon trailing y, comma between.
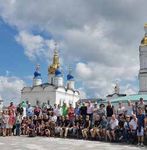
x: 17, y: 129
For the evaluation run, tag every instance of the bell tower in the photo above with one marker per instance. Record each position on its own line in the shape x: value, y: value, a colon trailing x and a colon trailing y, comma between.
x: 55, y: 65
x: 143, y: 64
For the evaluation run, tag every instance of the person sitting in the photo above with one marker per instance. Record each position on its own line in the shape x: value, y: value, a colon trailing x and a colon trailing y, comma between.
x: 111, y: 130
x: 133, y: 128
x: 31, y: 129
x: 86, y: 128
x: 95, y: 131
x: 47, y: 131
x: 120, y: 130
x: 103, y: 125
x: 75, y: 126
x: 127, y: 129
x: 58, y: 126
x: 67, y: 125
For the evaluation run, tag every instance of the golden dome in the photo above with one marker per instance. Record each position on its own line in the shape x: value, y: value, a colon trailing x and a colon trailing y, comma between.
x: 52, y: 68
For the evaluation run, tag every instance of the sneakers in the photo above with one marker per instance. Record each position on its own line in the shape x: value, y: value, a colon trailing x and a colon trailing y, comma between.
x: 142, y: 145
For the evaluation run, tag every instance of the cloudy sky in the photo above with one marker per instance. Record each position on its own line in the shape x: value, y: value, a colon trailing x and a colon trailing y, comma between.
x: 98, y: 38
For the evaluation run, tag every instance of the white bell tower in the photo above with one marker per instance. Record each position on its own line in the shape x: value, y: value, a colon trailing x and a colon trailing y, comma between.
x: 143, y: 64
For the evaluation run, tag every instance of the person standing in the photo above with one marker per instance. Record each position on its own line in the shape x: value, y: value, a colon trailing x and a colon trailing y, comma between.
x: 141, y: 105
x: 64, y: 109
x: 5, y: 122
x: 120, y: 110
x: 90, y: 112
x: 109, y: 111
x: 18, y: 123
x: 29, y: 110
x: 83, y: 111
x: 140, y: 126
x: 129, y: 109
x: 11, y: 122
x: 71, y: 113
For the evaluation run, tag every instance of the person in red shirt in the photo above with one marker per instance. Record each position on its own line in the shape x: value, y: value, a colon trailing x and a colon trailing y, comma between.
x: 71, y: 113
x: 12, y: 108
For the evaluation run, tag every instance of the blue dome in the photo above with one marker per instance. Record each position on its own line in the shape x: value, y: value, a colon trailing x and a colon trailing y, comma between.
x: 58, y: 72
x: 70, y: 77
x: 37, y: 75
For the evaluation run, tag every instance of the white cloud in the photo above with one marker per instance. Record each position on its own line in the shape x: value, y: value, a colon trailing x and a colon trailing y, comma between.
x: 102, y: 36
x: 102, y: 78
x: 10, y: 88
x: 35, y: 46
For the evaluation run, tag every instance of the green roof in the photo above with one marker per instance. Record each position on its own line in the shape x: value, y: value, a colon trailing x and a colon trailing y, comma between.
x: 134, y: 98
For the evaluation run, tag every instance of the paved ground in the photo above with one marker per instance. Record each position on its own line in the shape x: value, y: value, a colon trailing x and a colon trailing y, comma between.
x: 40, y: 143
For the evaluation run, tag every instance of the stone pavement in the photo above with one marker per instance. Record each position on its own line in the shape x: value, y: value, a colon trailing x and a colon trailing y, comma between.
x: 41, y: 143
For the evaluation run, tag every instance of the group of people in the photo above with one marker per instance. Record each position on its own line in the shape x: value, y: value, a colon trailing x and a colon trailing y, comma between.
x: 85, y: 121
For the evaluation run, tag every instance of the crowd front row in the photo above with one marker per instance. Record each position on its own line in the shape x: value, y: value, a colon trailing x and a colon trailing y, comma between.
x: 89, y: 121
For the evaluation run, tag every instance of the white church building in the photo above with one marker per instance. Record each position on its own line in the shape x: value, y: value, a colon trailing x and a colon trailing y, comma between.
x: 54, y: 91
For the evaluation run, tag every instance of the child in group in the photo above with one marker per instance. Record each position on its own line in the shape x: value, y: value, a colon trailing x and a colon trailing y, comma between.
x: 17, y: 124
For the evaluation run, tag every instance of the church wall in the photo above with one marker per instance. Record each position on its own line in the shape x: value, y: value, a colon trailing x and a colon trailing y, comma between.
x: 41, y: 96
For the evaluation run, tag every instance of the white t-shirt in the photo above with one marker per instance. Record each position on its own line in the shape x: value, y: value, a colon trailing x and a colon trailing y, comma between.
x: 58, y: 111
x: 54, y: 118
x: 89, y: 109
x: 129, y: 110
x: 113, y: 123
x: 120, y: 110
x: 133, y: 123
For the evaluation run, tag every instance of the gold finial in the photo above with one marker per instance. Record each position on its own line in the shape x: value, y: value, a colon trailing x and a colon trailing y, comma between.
x: 145, y: 25
x: 56, y: 63
x: 144, y: 40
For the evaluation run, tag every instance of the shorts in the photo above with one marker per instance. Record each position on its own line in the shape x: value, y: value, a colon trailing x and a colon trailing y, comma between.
x: 10, y: 126
x: 141, y: 133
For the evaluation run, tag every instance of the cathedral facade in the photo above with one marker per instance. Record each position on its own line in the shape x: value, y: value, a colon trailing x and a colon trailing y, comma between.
x: 54, y: 91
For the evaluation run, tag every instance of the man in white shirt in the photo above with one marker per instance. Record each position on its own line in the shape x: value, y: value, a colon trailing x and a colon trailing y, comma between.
x: 113, y: 125
x: 133, y: 123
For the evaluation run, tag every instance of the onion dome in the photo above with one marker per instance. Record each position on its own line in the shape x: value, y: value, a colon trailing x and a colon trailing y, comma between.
x: 58, y: 72
x: 37, y: 74
x: 70, y: 77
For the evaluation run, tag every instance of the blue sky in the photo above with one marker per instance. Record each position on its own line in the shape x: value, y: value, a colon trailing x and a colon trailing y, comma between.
x: 98, y: 39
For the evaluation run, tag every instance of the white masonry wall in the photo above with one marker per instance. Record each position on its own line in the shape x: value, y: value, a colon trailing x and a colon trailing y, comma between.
x: 55, y: 96
x: 143, y: 70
